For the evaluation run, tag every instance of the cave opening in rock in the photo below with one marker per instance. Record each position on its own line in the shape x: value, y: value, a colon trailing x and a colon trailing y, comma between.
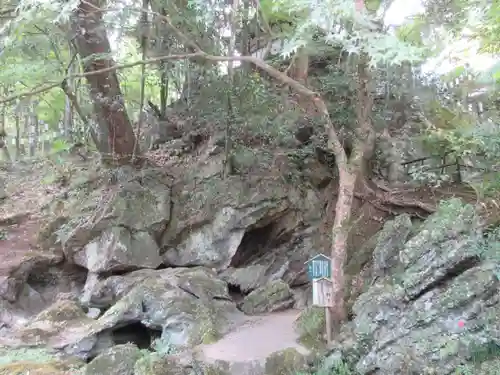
x: 235, y: 292
x: 254, y: 243
x: 135, y: 333
x: 62, y: 278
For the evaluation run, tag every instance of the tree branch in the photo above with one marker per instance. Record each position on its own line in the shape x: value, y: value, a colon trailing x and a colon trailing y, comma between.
x: 334, y: 143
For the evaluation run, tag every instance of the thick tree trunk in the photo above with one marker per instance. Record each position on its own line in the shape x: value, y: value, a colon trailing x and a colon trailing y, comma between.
x: 117, y: 139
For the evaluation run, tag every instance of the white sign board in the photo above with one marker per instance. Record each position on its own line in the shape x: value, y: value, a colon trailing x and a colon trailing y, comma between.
x: 322, y: 292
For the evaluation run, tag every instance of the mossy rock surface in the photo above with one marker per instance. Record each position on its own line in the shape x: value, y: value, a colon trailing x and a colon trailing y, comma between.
x: 156, y: 364
x: 118, y: 360
x: 36, y: 362
x: 273, y: 296
x: 287, y: 362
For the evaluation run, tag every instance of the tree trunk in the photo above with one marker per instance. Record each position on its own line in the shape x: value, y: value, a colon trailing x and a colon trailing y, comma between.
x: 163, y: 91
x: 349, y: 171
x: 300, y: 66
x: 36, y: 128
x: 117, y: 139
x: 3, y: 134
x: 68, y: 107
x: 340, y: 234
x: 18, y: 135
x: 76, y: 106
x: 245, y: 36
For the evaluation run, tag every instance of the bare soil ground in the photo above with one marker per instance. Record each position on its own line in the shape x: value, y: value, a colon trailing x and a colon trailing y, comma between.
x: 21, y: 212
x: 256, y: 339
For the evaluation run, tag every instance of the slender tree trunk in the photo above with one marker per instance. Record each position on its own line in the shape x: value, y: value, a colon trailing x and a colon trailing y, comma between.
x: 245, y: 36
x: 163, y: 90
x: 36, y: 128
x: 300, y: 66
x: 18, y: 135
x: 70, y: 95
x: 340, y: 234
x: 228, y: 162
x: 114, y: 124
x: 350, y: 170
x: 3, y: 133
x: 68, y: 106
x: 25, y: 138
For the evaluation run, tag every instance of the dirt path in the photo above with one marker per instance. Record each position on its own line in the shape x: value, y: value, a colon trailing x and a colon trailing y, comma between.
x: 16, y: 241
x: 256, y: 339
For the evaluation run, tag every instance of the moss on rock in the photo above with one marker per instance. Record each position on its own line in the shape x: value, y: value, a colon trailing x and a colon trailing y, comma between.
x: 36, y: 362
x: 286, y: 362
x: 273, y: 296
x: 118, y: 360
x: 311, y: 327
x: 155, y: 364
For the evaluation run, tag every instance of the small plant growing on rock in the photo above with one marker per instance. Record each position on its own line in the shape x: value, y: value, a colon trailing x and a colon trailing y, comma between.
x: 163, y: 346
x: 338, y: 368
x: 207, y: 329
x: 311, y: 326
x: 463, y: 370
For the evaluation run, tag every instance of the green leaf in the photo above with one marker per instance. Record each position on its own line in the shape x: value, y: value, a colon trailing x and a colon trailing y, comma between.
x: 60, y: 145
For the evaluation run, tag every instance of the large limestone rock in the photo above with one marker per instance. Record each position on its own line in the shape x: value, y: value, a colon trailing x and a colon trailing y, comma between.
x: 118, y: 360
x: 15, y: 272
x: 195, y: 219
x: 211, y: 217
x: 119, y: 249
x: 65, y: 327
x: 3, y: 190
x: 274, y: 296
x: 114, y: 229
x: 158, y: 364
x: 437, y: 305
x: 189, y: 305
x: 32, y: 280
x: 36, y: 362
x: 263, y: 227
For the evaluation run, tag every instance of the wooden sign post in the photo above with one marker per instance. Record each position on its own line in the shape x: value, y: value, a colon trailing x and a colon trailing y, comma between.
x: 319, y: 271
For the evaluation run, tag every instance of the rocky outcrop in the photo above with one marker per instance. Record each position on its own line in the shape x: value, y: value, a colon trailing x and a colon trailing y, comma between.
x: 217, y: 214
x: 274, y: 296
x: 3, y: 191
x: 437, y: 304
x: 114, y: 230
x: 158, y: 253
x: 119, y: 360
x: 37, y: 362
x: 14, y: 274
x: 182, y: 259
x: 152, y: 219
x: 187, y: 306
